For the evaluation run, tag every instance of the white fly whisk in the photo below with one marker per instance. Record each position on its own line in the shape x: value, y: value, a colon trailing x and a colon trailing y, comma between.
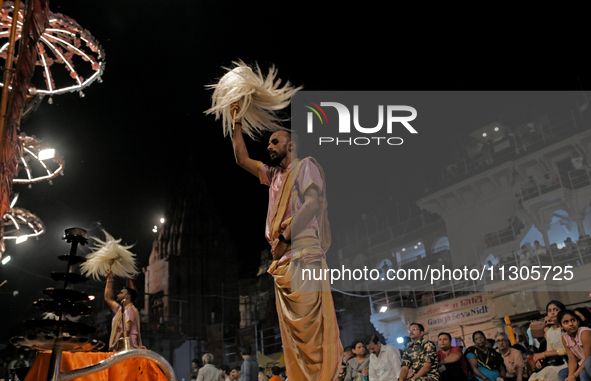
x: 110, y: 255
x: 259, y: 99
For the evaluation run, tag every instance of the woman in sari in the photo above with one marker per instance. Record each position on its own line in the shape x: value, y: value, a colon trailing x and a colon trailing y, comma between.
x: 358, y: 365
x: 486, y: 363
x: 551, y: 360
x: 576, y: 339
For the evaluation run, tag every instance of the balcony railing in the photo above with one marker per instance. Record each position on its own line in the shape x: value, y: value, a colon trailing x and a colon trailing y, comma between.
x: 528, y: 138
x: 506, y: 235
x: 548, y: 182
x: 573, y: 254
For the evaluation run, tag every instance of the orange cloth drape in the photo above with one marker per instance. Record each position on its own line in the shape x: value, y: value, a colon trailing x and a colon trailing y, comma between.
x: 131, y: 369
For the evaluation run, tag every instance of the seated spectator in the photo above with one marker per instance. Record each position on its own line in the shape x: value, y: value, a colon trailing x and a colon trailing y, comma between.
x: 347, y: 354
x: 420, y: 356
x: 486, y: 363
x: 384, y: 360
x: 452, y: 364
x: 577, y: 342
x: 550, y: 362
x: 512, y: 358
x: 359, y: 364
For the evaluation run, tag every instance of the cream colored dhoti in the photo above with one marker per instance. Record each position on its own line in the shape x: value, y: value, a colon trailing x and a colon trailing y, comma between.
x: 311, y: 344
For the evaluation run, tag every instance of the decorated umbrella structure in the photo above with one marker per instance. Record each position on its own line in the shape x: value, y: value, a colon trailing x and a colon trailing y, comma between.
x: 69, y: 57
x: 56, y: 55
x: 20, y: 224
x: 33, y: 163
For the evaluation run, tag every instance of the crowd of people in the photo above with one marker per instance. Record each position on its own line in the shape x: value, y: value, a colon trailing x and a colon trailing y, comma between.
x: 537, y: 254
x: 562, y: 352
x: 248, y: 371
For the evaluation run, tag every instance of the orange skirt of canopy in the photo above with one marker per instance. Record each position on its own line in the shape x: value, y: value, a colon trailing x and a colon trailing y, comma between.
x: 132, y: 369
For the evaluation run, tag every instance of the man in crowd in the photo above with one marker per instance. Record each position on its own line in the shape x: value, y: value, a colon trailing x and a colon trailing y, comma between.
x: 420, y: 356
x: 209, y: 372
x: 297, y: 230
x: 250, y: 369
x: 384, y: 360
x: 511, y: 356
x: 452, y: 364
x: 235, y: 373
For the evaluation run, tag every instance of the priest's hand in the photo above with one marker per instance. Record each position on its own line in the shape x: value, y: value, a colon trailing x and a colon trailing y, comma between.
x: 109, y: 276
x: 235, y: 108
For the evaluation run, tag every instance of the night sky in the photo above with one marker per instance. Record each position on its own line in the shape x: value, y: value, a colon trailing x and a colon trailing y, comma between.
x: 131, y: 139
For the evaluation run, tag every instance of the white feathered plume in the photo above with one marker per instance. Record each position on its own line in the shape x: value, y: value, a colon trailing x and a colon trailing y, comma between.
x: 258, y: 97
x: 109, y: 255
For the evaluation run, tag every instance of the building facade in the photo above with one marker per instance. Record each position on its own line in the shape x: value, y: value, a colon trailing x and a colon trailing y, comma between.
x: 519, y: 194
x: 191, y: 286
